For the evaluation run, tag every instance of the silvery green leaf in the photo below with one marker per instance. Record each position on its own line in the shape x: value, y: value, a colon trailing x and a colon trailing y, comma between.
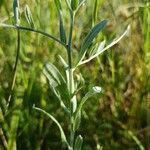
x: 63, y: 137
x: 50, y: 78
x: 97, y: 48
x: 93, y: 91
x: 63, y: 62
x: 54, y: 73
x: 101, y: 46
x: 57, y: 83
x: 79, y: 80
x: 78, y: 143
x: 16, y: 11
x: 73, y: 103
x: 89, y: 38
x: 77, y: 121
x: 7, y: 25
x: 115, y: 41
x: 28, y: 16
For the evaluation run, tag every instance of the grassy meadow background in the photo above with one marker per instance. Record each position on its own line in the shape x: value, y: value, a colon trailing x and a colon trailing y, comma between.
x: 117, y: 119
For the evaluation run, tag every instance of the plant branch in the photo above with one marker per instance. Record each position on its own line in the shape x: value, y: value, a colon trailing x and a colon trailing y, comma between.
x: 107, y: 47
x: 71, y: 80
x: 34, y: 30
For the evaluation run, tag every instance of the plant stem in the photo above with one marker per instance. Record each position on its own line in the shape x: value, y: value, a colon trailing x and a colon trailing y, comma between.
x: 14, y: 70
x: 41, y: 32
x: 71, y: 80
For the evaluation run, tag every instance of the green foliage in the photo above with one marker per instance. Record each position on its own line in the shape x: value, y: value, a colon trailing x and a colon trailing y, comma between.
x: 117, y: 118
x: 58, y: 4
x: 89, y: 38
x: 29, y: 16
x: 16, y: 11
x: 78, y: 143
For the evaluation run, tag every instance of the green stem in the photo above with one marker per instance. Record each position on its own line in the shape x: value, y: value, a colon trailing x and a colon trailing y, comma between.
x: 33, y: 30
x: 71, y: 108
x: 71, y: 80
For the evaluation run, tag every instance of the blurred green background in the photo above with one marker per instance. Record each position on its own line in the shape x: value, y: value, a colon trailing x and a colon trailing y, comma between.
x: 117, y: 119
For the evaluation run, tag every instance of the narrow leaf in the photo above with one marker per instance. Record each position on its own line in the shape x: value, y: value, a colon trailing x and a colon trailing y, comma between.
x: 115, y: 41
x: 61, y: 24
x: 77, y: 121
x: 54, y: 72
x: 101, y: 46
x: 50, y: 78
x: 97, y: 49
x: 78, y: 143
x: 89, y: 38
x: 92, y: 92
x: 16, y: 11
x: 57, y: 84
x: 80, y: 80
x: 63, y: 62
x: 63, y: 137
x: 28, y: 16
x: 6, y: 25
x: 61, y: 28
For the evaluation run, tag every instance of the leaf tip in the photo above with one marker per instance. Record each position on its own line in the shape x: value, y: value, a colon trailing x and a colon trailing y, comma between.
x: 97, y: 89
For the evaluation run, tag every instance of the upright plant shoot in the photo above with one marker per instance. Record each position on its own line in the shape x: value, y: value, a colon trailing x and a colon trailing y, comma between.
x: 66, y: 87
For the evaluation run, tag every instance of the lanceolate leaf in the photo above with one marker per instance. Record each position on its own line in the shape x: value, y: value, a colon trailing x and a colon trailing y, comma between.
x: 28, y: 16
x: 57, y: 84
x: 101, y: 46
x: 16, y: 11
x: 89, y: 38
x: 77, y: 121
x: 78, y: 143
x: 93, y: 91
x: 61, y: 25
x: 99, y: 51
x: 61, y: 28
x: 63, y: 137
x: 54, y: 73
